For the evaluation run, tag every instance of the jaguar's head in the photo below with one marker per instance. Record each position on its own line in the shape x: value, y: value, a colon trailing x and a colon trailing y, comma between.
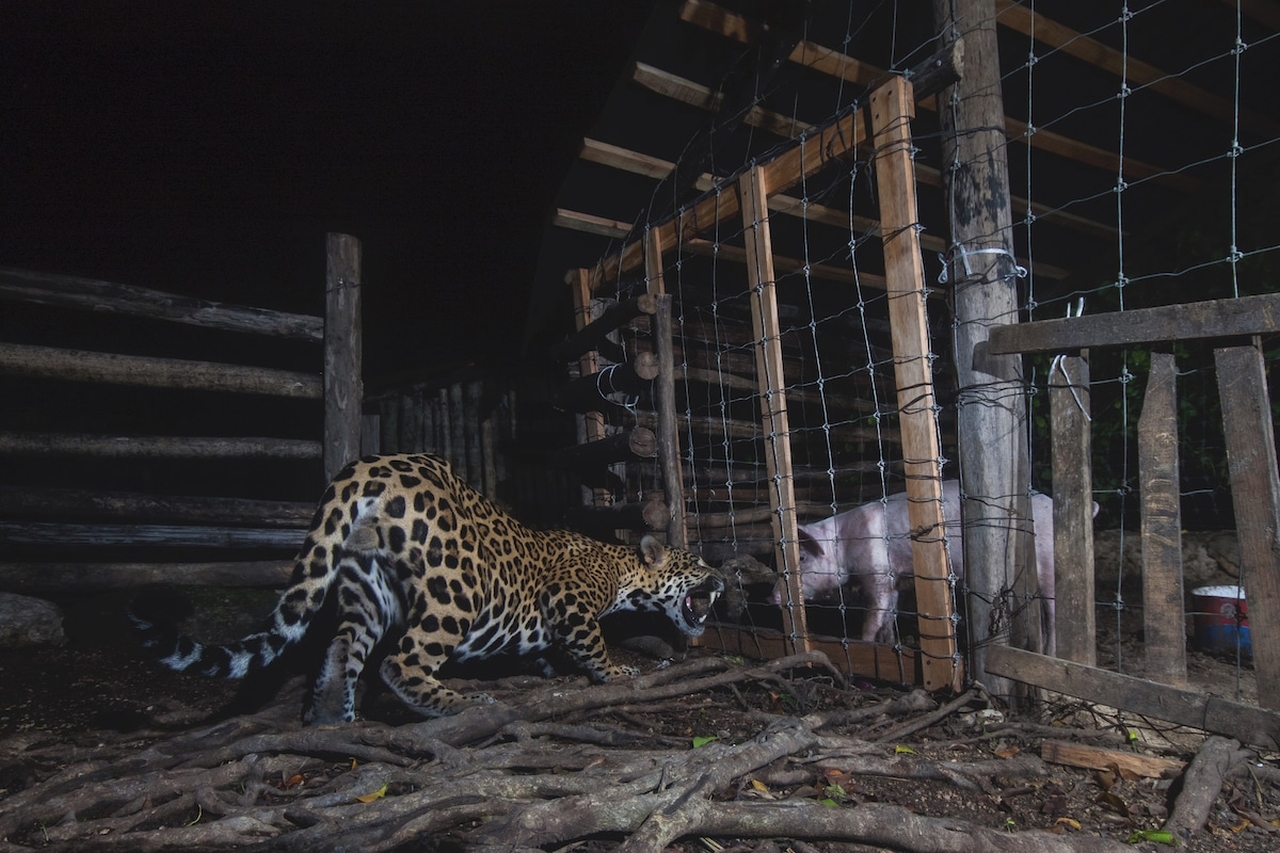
x: 676, y: 582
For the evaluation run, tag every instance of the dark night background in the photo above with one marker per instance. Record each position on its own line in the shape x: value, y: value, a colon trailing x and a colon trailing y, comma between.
x: 206, y: 147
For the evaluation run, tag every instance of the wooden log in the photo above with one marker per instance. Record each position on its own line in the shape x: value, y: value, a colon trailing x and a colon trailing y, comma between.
x: 1076, y: 625
x: 81, y: 505
x: 70, y: 365
x: 668, y: 423
x: 603, y: 520
x: 110, y: 535
x: 635, y: 443
x: 31, y: 578
x: 753, y: 188
x: 991, y: 408
x: 1098, y: 758
x: 343, y: 379
x: 1148, y: 698
x: 1255, y: 494
x: 590, y: 334
x: 590, y: 393
x: 1162, y: 605
x: 105, y: 297
x: 158, y: 446
x: 1214, y: 318
x: 891, y: 113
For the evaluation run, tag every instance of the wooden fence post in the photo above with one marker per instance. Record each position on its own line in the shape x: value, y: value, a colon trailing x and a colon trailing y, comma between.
x: 1255, y: 492
x: 1076, y: 620
x: 343, y: 384
x: 891, y: 112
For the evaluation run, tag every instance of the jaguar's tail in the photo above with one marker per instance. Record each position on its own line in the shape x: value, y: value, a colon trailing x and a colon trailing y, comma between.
x: 157, y: 624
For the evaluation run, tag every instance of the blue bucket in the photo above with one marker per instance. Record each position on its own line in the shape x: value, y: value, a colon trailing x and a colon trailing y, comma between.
x: 1221, y: 620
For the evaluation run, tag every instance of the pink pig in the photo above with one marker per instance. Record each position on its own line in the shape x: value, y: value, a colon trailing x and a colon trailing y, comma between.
x: 872, y: 543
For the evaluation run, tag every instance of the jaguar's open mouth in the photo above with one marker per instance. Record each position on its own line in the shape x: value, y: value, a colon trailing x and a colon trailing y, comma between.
x: 698, y: 603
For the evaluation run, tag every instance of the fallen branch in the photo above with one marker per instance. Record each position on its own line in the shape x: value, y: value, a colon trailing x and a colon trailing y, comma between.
x: 1202, y: 783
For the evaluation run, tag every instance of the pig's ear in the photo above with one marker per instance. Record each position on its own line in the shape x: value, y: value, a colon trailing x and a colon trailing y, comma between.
x: 808, y: 544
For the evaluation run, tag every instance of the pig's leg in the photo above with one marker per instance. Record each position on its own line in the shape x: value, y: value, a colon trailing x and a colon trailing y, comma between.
x: 879, y: 587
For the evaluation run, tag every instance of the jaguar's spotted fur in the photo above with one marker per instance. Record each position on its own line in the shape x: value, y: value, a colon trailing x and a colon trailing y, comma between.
x: 411, y: 552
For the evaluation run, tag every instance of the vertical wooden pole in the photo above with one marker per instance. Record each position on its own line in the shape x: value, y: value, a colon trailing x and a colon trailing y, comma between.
x: 664, y: 336
x: 343, y: 384
x: 591, y: 423
x: 773, y: 401
x: 1076, y: 618
x: 991, y: 403
x: 892, y: 108
x: 1162, y: 605
x: 1255, y: 492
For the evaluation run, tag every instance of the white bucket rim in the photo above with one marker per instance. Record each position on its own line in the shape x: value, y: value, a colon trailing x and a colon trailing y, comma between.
x: 1230, y: 591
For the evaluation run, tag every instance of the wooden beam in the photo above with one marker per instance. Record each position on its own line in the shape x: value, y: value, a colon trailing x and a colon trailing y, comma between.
x: 79, y: 504
x: 80, y: 578
x: 1215, y: 318
x: 343, y: 353
x: 157, y: 446
x: 591, y: 332
x: 162, y: 535
x: 775, y: 423
x: 1185, y: 707
x: 1255, y: 495
x: 1163, y: 612
x: 104, y: 297
x: 149, y: 372
x: 891, y: 114
x: 1030, y: 23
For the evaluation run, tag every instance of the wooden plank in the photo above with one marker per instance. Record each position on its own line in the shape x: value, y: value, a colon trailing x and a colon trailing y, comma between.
x: 1072, y: 510
x: 157, y: 446
x: 1134, y: 71
x: 343, y: 354
x: 1215, y: 318
x: 891, y: 113
x: 79, y: 578
x: 1162, y: 605
x: 665, y: 403
x: 21, y: 502
x: 866, y: 660
x: 69, y: 365
x: 1097, y: 758
x: 754, y: 189
x: 104, y: 297
x: 1255, y: 494
x: 1163, y: 702
x: 108, y: 535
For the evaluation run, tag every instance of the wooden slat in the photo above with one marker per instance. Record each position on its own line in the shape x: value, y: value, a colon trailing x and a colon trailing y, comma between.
x: 81, y: 578
x: 1216, y: 318
x: 1097, y: 758
x: 106, y: 297
x: 68, y: 365
x: 157, y: 446
x: 1076, y: 623
x: 163, y: 535
x: 891, y: 113
x: 775, y: 423
x: 866, y: 660
x: 588, y: 223
x: 1255, y: 495
x: 22, y: 502
x: 1162, y: 607
x: 1174, y: 704
x: 1138, y: 73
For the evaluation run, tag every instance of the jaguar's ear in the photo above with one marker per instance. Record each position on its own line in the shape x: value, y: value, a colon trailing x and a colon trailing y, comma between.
x: 652, y: 550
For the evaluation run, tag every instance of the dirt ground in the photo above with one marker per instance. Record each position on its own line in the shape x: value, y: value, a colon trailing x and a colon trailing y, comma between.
x: 99, y: 691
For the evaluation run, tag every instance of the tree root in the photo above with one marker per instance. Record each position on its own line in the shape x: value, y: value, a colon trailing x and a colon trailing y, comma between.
x: 524, y: 774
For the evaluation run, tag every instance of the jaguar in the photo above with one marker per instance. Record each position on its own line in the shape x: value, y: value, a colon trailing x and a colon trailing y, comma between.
x: 411, y: 554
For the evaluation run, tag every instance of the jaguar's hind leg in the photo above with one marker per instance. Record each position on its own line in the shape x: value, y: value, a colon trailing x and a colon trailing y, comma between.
x: 368, y: 606
x: 411, y: 675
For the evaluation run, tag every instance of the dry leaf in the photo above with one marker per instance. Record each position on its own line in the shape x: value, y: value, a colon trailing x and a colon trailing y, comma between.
x: 376, y: 795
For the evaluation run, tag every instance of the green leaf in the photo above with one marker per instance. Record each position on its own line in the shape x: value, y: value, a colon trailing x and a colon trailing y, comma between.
x: 1160, y: 836
x: 699, y: 742
x: 829, y: 803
